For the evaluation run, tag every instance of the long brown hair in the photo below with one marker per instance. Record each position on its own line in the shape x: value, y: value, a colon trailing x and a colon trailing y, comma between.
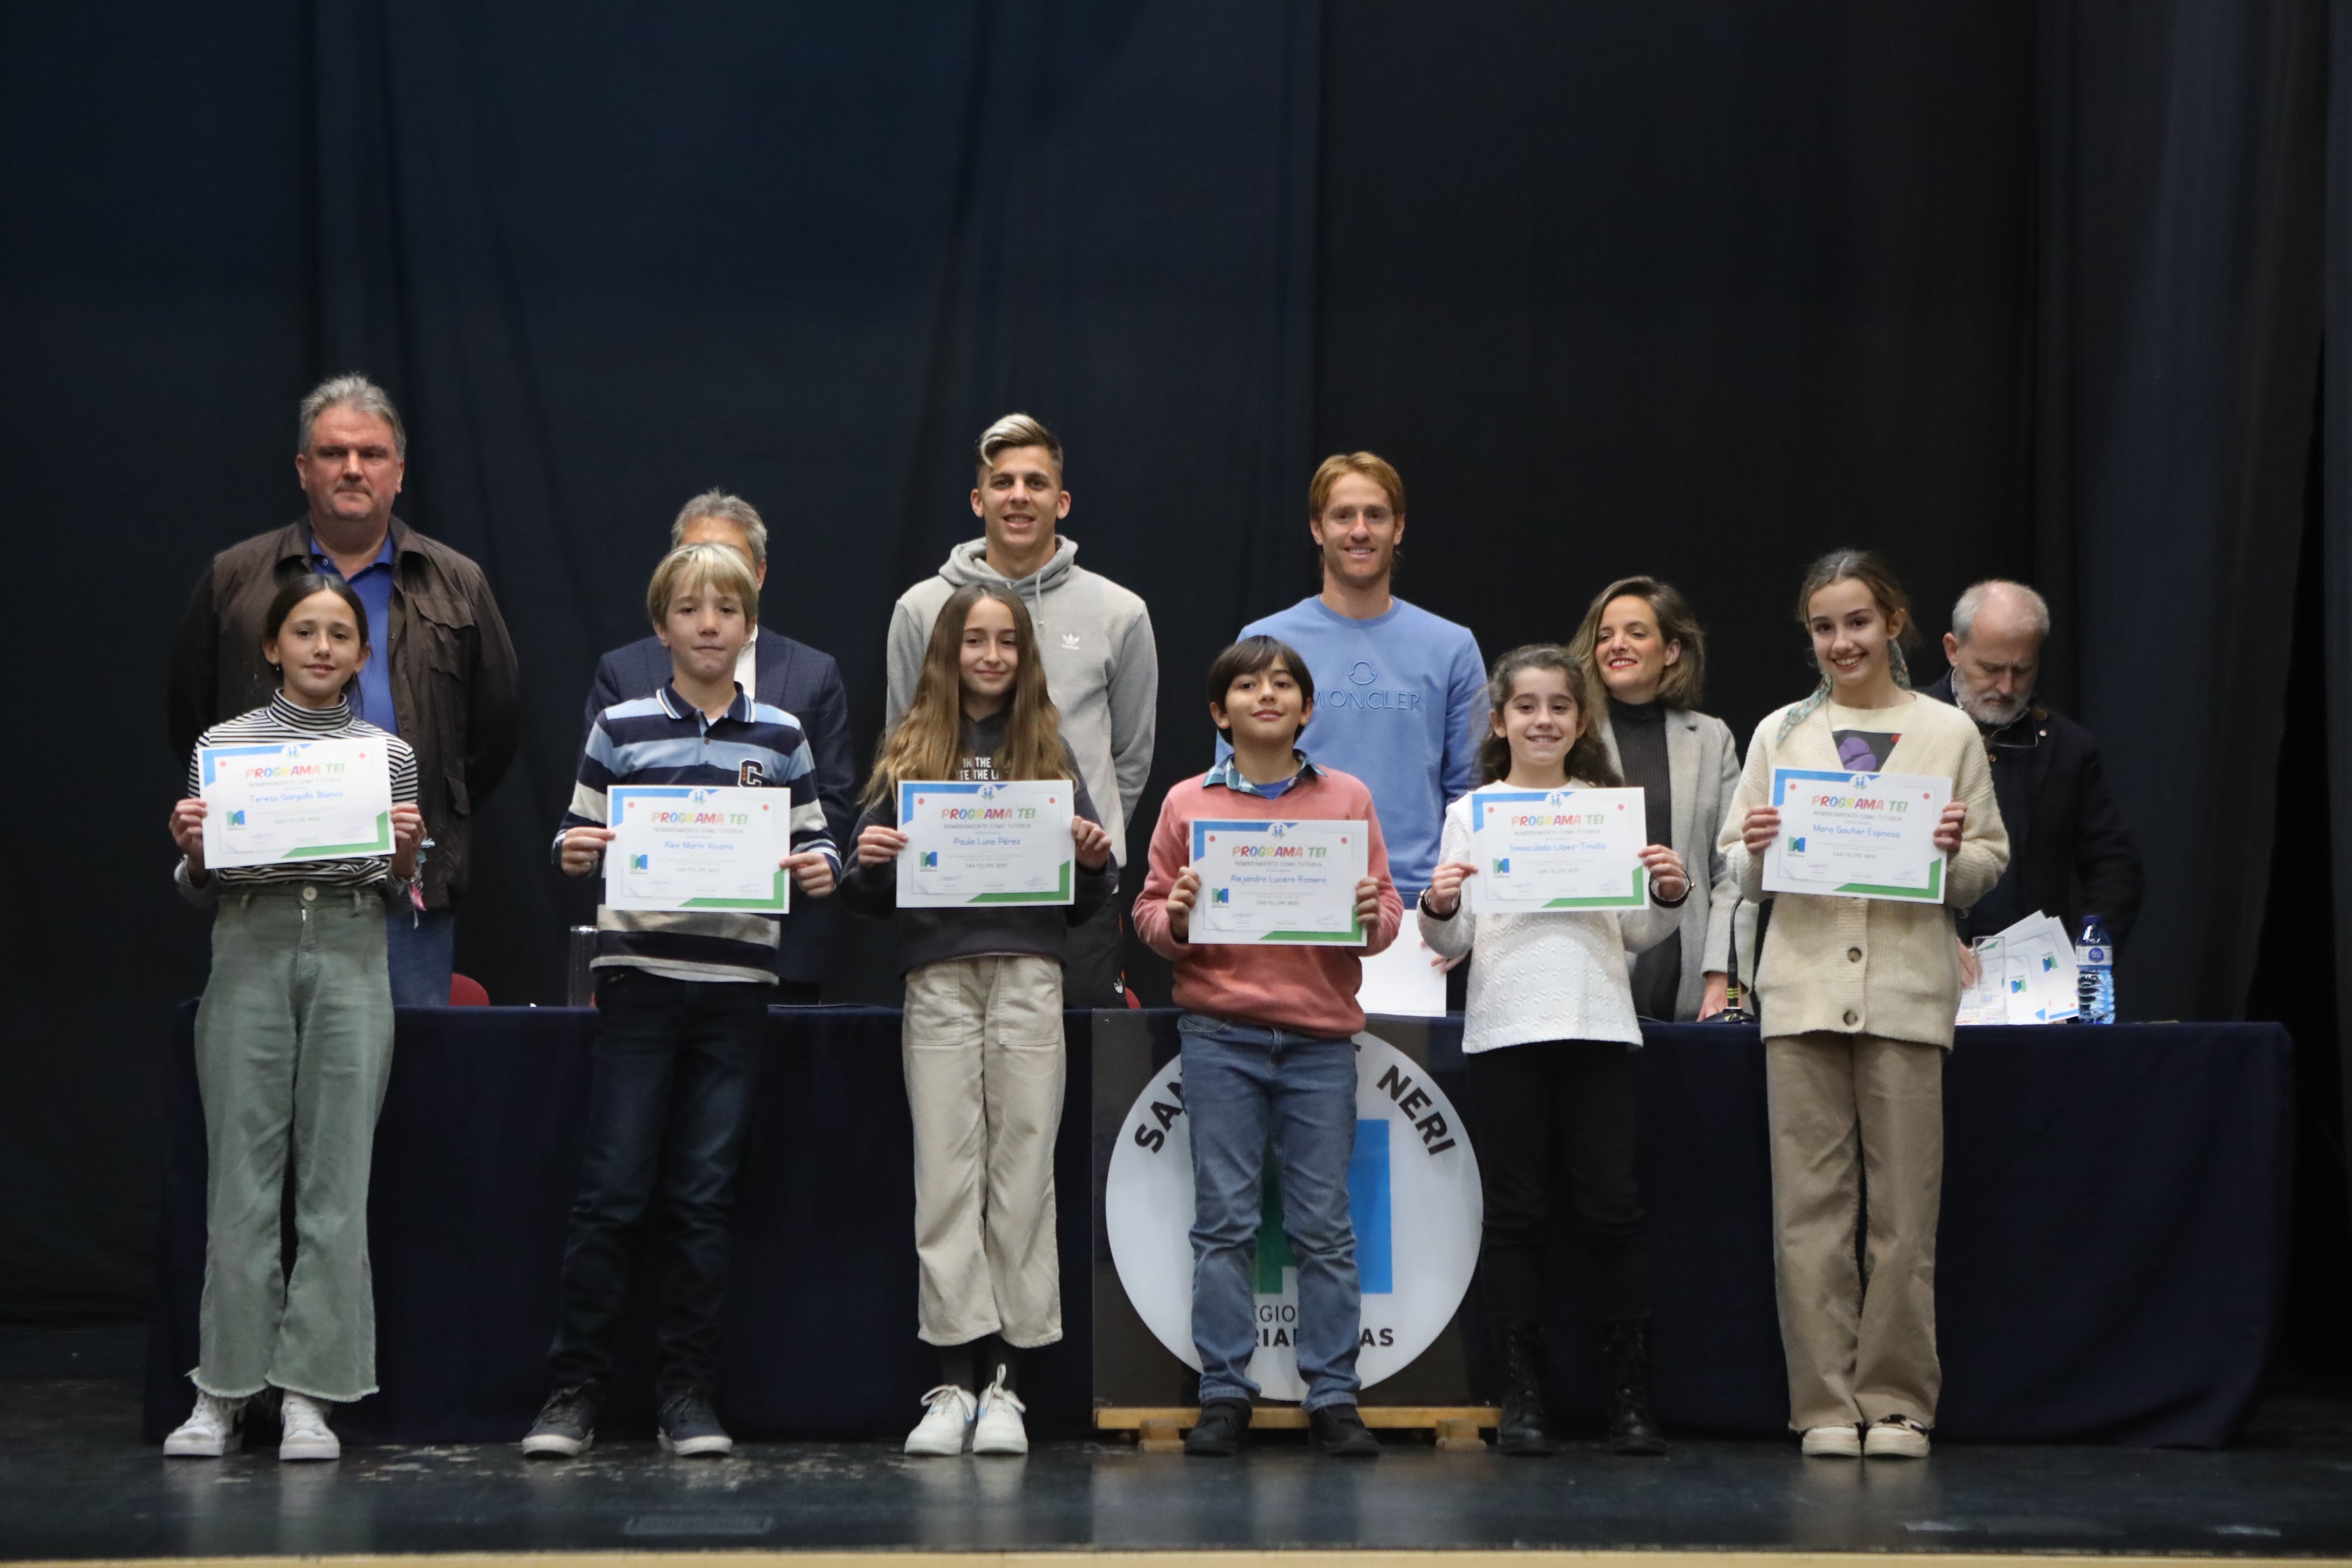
x: 1587, y: 759
x: 1680, y: 686
x: 929, y: 742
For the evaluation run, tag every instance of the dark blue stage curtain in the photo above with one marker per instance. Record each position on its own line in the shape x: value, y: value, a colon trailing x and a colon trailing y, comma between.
x: 2336, y: 557
x: 2115, y: 1225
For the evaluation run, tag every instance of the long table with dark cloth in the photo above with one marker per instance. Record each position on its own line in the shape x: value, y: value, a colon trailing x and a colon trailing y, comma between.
x: 2113, y: 1243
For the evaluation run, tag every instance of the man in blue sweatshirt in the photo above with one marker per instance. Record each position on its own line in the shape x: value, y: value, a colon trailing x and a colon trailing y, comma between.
x: 1403, y: 703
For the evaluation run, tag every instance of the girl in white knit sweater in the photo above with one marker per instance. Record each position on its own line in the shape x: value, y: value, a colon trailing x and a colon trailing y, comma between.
x: 1858, y: 999
x: 1548, y: 1036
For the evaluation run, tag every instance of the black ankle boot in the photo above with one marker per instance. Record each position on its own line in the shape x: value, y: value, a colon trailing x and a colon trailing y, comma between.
x: 1525, y: 1428
x: 1625, y: 1362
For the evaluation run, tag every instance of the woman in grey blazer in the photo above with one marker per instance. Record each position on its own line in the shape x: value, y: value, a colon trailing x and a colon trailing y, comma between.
x: 1643, y: 638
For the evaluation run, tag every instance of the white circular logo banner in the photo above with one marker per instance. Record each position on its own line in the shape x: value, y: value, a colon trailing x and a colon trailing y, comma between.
x: 1413, y: 1193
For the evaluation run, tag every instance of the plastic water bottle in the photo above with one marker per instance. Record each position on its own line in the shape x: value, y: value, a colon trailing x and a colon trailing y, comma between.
x: 2094, y: 965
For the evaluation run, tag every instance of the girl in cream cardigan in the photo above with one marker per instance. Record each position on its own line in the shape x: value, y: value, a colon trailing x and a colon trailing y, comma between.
x: 1858, y: 998
x: 1548, y: 1035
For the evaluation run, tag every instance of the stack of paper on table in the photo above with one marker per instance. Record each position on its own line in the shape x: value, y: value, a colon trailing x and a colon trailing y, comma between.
x: 2027, y: 976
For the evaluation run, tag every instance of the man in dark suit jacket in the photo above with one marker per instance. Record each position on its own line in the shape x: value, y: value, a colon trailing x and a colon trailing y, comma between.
x: 2070, y: 853
x: 784, y: 674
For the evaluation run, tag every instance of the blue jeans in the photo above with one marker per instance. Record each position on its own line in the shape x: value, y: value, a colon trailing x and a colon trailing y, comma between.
x: 419, y: 949
x: 1246, y: 1084
x: 676, y: 1065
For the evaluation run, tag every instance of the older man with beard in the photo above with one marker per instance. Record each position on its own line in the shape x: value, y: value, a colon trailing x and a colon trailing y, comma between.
x: 2070, y: 853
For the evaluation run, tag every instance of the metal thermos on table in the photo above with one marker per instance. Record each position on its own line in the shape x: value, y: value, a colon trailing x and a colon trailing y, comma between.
x: 580, y: 981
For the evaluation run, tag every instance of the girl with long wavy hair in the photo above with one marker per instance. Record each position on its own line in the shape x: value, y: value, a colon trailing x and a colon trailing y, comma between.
x: 982, y: 1039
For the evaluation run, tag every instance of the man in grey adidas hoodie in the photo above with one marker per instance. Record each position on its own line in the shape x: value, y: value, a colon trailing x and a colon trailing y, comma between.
x: 1101, y: 664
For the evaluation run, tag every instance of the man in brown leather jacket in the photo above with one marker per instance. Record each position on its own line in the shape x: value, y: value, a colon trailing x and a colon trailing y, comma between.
x: 442, y: 673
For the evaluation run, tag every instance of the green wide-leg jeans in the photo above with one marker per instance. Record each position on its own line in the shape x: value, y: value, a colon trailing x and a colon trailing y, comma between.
x: 293, y: 1046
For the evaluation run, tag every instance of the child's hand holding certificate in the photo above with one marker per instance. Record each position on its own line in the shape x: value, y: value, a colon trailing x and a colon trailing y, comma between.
x: 1279, y: 882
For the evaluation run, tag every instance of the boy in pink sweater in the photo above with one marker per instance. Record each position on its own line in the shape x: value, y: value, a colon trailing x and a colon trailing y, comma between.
x: 1268, y: 1056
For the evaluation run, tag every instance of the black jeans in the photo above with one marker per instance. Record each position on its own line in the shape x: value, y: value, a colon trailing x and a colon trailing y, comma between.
x: 676, y: 1063
x: 1568, y: 1107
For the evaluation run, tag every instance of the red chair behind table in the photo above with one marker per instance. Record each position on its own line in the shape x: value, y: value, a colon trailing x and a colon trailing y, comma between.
x: 464, y: 990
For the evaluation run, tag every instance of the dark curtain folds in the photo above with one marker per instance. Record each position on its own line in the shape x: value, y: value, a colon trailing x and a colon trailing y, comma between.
x: 1701, y: 294
x: 2028, y: 287
x: 2179, y: 349
x: 2335, y: 520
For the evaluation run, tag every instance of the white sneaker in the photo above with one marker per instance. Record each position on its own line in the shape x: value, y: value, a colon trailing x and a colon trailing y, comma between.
x: 1833, y: 1442
x: 998, y: 1429
x: 213, y: 1427
x: 946, y: 1423
x: 1896, y: 1437
x: 303, y: 1432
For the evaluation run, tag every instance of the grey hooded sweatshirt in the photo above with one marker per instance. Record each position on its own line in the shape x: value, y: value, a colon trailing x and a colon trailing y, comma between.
x: 1101, y: 665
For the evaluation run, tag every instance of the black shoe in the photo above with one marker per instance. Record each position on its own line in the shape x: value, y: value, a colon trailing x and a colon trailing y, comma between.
x: 566, y: 1426
x: 1338, y: 1431
x: 1625, y: 1362
x: 1221, y: 1431
x: 690, y: 1428
x: 1525, y: 1428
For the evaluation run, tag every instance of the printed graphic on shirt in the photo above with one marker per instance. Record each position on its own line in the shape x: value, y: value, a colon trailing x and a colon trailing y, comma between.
x: 751, y: 775
x: 1864, y: 751
x: 981, y: 768
x: 1363, y: 692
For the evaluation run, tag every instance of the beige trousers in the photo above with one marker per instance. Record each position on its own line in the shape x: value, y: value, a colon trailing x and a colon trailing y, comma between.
x: 982, y: 1046
x: 1846, y: 1110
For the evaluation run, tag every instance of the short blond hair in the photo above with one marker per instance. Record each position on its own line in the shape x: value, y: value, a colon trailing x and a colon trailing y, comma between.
x: 691, y: 566
x: 1369, y: 465
x: 1011, y: 433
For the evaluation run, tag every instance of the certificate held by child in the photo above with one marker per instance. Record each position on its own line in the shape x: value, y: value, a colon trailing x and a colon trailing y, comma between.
x: 1003, y: 841
x: 1861, y: 835
x: 678, y: 846
x: 1567, y: 848
x: 1282, y: 882
x: 297, y: 800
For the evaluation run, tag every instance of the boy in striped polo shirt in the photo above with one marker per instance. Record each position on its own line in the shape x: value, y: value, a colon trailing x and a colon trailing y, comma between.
x: 681, y: 1011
